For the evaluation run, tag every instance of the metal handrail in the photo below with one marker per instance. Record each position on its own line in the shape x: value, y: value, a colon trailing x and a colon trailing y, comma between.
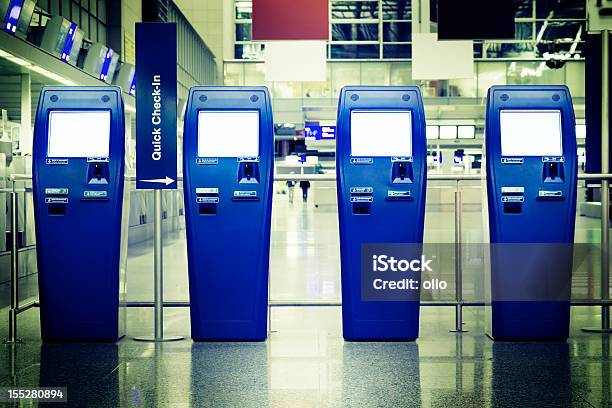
x: 17, y: 190
x: 336, y: 303
x: 19, y: 177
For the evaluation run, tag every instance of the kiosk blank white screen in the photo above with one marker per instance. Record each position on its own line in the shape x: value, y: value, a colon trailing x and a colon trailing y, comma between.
x: 228, y: 133
x: 79, y: 134
x: 531, y: 133
x: 381, y: 133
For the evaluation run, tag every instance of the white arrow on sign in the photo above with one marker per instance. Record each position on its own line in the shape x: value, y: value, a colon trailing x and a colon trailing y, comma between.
x: 166, y: 180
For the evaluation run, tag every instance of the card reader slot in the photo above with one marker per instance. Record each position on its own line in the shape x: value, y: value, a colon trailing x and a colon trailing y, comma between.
x: 248, y: 172
x: 402, y: 172
x: 98, y: 173
x: 553, y: 172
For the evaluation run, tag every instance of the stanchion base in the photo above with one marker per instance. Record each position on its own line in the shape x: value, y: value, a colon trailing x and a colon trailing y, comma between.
x: 596, y: 330
x: 7, y: 341
x: 162, y: 340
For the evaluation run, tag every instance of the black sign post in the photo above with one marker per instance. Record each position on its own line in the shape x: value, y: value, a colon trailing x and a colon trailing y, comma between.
x: 156, y: 82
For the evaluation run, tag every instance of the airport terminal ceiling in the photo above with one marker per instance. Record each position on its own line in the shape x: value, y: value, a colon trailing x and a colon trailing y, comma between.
x: 373, y: 29
x: 355, y: 25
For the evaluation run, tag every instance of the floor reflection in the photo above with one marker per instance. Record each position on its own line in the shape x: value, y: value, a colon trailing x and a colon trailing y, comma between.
x: 91, y: 372
x: 229, y: 374
x: 305, y: 363
x: 381, y: 374
x: 526, y: 373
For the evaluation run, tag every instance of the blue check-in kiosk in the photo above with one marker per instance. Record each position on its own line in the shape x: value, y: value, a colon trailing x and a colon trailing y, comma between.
x: 228, y: 159
x: 531, y: 178
x: 381, y: 177
x: 78, y: 175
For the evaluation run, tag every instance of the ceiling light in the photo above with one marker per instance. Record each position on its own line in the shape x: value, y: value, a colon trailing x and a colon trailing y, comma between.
x: 18, y: 61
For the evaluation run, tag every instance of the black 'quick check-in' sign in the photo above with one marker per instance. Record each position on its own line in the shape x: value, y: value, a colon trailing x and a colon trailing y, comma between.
x: 156, y: 84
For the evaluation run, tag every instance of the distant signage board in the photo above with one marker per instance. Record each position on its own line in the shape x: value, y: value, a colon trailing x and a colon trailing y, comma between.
x: 317, y: 132
x: 282, y: 20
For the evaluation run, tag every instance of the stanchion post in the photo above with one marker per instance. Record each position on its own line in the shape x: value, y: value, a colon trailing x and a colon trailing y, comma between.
x: 605, y: 255
x: 158, y: 275
x: 605, y: 184
x: 458, y: 266
x: 158, y: 268
x: 269, y: 303
x: 14, y: 308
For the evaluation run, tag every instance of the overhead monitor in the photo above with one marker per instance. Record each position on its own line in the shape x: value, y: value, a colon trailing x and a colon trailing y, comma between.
x: 27, y: 10
x: 466, y: 132
x: 448, y: 132
x: 228, y: 133
x: 79, y: 133
x: 67, y: 50
x: 476, y: 19
x: 381, y: 133
x: 432, y: 132
x: 12, y: 16
x: 531, y: 133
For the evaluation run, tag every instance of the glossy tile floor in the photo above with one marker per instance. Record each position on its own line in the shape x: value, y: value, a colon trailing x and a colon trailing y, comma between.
x: 305, y: 362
